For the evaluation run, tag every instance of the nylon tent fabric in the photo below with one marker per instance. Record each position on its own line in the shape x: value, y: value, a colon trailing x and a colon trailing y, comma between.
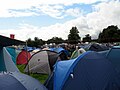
x: 8, y: 82
x: 63, y: 53
x: 114, y: 56
x: 6, y: 63
x: 67, y: 65
x: 19, y: 81
x: 12, y: 52
x: 104, y: 53
x: 77, y: 52
x: 90, y: 71
x: 98, y: 47
x: 23, y: 57
x: 42, y: 62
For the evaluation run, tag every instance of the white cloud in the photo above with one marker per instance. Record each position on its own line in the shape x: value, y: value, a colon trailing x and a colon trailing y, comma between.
x: 59, y: 30
x: 55, y: 11
x: 76, y: 12
x: 104, y: 14
x: 42, y: 5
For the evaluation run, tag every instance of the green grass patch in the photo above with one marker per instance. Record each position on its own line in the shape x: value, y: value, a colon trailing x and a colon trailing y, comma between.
x: 40, y: 77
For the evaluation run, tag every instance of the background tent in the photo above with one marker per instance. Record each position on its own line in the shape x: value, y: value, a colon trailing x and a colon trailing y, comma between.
x: 23, y: 57
x: 42, y: 62
x: 6, y: 62
x: 114, y: 56
x: 63, y: 53
x: 98, y: 47
x: 19, y: 81
x: 12, y: 52
x: 90, y: 71
x: 77, y: 52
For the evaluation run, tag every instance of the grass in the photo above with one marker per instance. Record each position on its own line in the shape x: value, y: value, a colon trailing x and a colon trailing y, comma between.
x: 40, y: 77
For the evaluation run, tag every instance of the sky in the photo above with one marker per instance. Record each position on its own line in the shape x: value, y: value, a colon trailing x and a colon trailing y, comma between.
x: 54, y: 18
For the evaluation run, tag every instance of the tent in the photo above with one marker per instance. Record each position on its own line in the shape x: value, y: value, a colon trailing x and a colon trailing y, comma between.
x: 10, y: 77
x: 98, y: 47
x: 42, y: 62
x: 7, y: 55
x: 12, y: 52
x: 63, y: 53
x: 19, y: 81
x: 114, y: 56
x: 90, y: 71
x: 6, y: 62
x: 77, y: 52
x: 23, y: 57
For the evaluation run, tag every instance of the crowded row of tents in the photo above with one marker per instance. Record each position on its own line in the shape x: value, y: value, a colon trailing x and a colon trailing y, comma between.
x: 95, y: 69
x: 10, y: 76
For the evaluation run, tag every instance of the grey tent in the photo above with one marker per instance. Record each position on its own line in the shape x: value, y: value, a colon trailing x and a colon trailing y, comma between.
x: 42, y: 62
x: 19, y: 81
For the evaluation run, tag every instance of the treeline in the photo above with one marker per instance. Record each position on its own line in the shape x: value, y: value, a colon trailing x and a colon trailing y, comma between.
x: 109, y: 34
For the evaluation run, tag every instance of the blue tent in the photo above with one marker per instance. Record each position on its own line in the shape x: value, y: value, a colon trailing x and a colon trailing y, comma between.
x: 114, y: 56
x: 104, y: 53
x: 6, y: 62
x: 90, y: 71
x: 12, y: 52
x: 63, y: 53
x: 29, y: 48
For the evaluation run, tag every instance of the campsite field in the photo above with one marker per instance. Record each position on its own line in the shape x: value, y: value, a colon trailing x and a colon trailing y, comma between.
x: 39, y: 77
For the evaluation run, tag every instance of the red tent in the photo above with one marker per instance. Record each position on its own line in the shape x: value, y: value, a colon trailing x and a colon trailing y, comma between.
x: 23, y: 57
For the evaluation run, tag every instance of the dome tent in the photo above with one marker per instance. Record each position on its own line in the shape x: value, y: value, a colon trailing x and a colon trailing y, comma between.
x: 42, y: 62
x: 113, y: 56
x: 23, y: 57
x: 89, y: 71
x: 19, y: 81
x: 6, y: 62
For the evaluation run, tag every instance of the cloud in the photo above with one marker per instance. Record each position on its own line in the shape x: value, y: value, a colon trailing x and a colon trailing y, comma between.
x: 103, y: 15
x: 76, y: 12
x: 55, y: 11
x: 53, y: 8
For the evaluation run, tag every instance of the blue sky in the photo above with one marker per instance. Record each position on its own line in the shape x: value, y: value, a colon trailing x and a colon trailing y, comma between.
x: 50, y: 18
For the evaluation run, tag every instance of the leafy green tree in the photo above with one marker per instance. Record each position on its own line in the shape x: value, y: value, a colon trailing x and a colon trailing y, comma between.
x: 109, y: 34
x: 38, y: 42
x: 30, y: 42
x: 87, y: 38
x: 35, y: 43
x: 73, y: 36
x: 55, y: 40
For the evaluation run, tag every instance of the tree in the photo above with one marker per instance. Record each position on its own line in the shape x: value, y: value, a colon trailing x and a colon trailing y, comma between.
x: 87, y: 38
x: 73, y: 36
x: 35, y: 43
x: 109, y: 34
x: 38, y: 42
x: 30, y: 42
x: 55, y: 40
